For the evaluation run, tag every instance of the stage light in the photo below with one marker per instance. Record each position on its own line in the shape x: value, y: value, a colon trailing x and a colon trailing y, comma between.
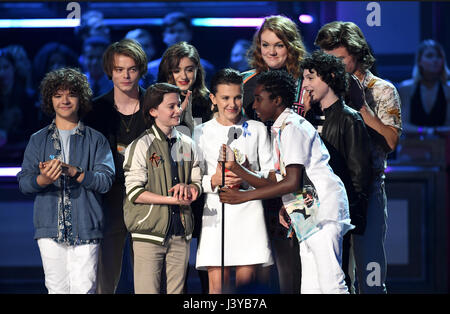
x: 227, y: 22
x: 9, y: 171
x: 199, y: 22
x: 134, y: 22
x: 38, y: 23
x: 306, y: 18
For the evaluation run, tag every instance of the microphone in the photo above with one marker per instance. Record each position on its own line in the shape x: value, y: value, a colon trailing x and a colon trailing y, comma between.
x: 233, y: 134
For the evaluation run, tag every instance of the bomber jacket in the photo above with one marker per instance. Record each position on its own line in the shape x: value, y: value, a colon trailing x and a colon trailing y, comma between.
x: 89, y: 150
x: 147, y: 168
x: 347, y: 139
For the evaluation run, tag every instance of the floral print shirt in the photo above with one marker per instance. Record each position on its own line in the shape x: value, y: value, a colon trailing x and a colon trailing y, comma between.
x: 383, y: 98
x: 65, y: 232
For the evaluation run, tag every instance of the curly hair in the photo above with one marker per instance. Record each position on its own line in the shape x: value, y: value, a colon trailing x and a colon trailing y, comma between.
x: 330, y: 69
x: 346, y: 34
x: 278, y: 83
x: 286, y: 30
x: 65, y: 79
x: 170, y: 61
x: 126, y: 47
x: 154, y: 96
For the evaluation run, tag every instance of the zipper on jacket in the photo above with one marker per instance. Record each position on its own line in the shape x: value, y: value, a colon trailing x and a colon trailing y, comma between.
x: 168, y: 228
x: 63, y: 186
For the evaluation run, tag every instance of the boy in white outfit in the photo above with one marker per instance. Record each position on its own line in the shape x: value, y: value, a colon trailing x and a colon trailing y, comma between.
x: 322, y: 218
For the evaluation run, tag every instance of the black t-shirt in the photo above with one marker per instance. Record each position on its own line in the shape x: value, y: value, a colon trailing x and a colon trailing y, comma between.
x: 105, y: 118
x: 131, y: 126
x: 176, y: 226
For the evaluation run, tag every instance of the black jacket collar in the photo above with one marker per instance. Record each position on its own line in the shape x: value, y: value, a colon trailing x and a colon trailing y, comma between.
x: 337, y: 105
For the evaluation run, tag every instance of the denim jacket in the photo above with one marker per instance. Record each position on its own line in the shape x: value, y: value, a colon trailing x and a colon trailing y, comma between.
x: 89, y: 150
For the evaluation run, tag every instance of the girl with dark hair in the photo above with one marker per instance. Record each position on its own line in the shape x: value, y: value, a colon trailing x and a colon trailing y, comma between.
x: 246, y: 241
x: 180, y: 66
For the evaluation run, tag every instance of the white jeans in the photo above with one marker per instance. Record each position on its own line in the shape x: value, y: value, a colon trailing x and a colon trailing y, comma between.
x: 69, y: 269
x: 321, y: 256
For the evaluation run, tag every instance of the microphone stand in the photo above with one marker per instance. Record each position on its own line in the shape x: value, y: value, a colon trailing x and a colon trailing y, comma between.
x: 222, y: 270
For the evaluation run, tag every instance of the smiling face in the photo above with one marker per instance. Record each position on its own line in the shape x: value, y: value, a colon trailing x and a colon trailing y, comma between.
x: 228, y: 99
x: 185, y: 74
x: 265, y: 107
x: 168, y: 113
x: 125, y: 74
x: 66, y: 105
x: 317, y: 88
x: 274, y: 52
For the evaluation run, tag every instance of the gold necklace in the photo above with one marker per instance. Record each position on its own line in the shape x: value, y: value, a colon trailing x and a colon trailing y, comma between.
x: 127, y: 127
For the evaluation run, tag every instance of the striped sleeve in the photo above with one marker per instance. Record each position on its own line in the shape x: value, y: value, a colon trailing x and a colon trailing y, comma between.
x: 135, y: 167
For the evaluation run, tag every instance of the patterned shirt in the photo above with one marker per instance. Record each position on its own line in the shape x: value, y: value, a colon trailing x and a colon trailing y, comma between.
x: 383, y: 98
x: 65, y: 231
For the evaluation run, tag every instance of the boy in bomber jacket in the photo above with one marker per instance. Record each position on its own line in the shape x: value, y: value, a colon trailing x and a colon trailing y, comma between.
x: 158, y: 163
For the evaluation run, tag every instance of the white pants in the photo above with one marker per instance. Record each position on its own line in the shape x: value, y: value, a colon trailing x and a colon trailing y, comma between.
x: 69, y: 269
x: 321, y: 256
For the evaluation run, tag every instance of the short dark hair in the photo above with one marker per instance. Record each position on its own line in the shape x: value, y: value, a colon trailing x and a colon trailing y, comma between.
x: 278, y: 83
x: 129, y: 48
x: 330, y: 69
x: 346, y: 34
x: 225, y: 76
x: 154, y: 96
x: 65, y: 79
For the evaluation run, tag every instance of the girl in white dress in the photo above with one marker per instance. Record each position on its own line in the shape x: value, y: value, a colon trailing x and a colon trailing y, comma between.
x: 246, y: 240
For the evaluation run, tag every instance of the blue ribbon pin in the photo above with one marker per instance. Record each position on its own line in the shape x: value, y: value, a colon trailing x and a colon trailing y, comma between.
x: 246, y: 131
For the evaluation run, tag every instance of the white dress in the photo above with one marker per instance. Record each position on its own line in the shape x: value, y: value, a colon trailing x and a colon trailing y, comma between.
x: 246, y: 240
